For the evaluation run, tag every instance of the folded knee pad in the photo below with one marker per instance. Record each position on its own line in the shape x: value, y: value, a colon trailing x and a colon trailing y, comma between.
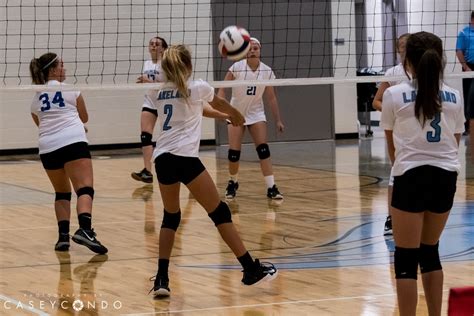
x: 429, y: 258
x: 63, y: 196
x: 146, y: 139
x: 263, y: 151
x: 85, y: 190
x: 171, y: 220
x: 221, y: 214
x: 406, y: 262
x: 234, y: 155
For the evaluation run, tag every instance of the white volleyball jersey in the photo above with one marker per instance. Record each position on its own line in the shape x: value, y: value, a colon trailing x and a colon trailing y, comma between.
x: 153, y: 72
x: 397, y: 70
x: 416, y: 145
x: 249, y: 99
x: 59, y: 122
x: 179, y: 120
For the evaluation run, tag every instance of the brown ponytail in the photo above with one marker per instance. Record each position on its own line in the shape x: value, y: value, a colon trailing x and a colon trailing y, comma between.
x: 39, y: 67
x: 177, y: 66
x: 425, y: 56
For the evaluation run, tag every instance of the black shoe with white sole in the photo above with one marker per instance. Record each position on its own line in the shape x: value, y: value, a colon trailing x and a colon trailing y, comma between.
x: 143, y: 175
x: 161, y: 287
x: 387, y: 229
x: 63, y: 243
x: 87, y: 238
x: 264, y: 271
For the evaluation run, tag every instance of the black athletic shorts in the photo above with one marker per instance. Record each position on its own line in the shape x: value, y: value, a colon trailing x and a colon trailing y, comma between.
x: 171, y: 169
x: 56, y: 159
x: 424, y: 188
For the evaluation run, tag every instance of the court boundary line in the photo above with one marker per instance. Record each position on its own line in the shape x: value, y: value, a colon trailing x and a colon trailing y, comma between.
x: 266, y: 304
x: 368, y: 297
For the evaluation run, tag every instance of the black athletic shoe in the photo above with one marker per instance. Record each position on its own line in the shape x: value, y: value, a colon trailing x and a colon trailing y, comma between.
x: 87, y: 238
x: 387, y: 230
x: 63, y: 243
x: 160, y: 287
x: 273, y: 193
x: 264, y: 271
x: 144, y: 176
x: 231, y: 189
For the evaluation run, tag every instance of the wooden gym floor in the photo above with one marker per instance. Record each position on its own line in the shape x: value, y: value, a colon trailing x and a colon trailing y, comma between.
x: 326, y: 238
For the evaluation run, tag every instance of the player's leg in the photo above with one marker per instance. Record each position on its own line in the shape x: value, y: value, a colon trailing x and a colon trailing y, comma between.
x: 53, y: 164
x: 205, y: 192
x: 62, y: 206
x: 235, y: 135
x: 407, y: 229
x: 408, y: 207
x: 167, y: 168
x: 258, y: 131
x: 169, y: 226
x: 444, y: 189
x: 147, y: 124
x: 81, y: 175
x: 430, y: 265
x: 387, y: 230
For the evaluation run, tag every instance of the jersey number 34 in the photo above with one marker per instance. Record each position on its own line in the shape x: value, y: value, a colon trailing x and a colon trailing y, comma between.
x: 57, y: 99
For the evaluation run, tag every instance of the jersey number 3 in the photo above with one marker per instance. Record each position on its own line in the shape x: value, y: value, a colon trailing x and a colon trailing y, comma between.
x: 434, y: 137
x: 57, y: 99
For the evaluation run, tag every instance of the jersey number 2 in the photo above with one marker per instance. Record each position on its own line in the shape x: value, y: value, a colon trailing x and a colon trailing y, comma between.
x: 168, y: 111
x: 57, y: 99
x: 434, y: 137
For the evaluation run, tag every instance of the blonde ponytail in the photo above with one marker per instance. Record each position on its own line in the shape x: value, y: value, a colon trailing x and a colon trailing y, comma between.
x: 177, y: 66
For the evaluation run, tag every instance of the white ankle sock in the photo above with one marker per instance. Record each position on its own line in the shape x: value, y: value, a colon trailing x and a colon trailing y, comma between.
x: 233, y: 177
x: 270, y: 181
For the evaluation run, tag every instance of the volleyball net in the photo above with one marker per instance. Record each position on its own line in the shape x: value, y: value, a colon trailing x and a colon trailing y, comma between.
x: 105, y: 42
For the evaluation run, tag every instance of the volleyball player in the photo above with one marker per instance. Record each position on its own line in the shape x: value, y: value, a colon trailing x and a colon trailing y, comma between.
x: 151, y: 73
x: 423, y: 122
x: 180, y: 108
x: 249, y: 101
x: 397, y: 70
x: 60, y: 116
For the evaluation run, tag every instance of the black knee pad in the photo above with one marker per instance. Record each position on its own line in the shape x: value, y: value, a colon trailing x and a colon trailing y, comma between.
x: 263, y: 151
x: 429, y: 258
x: 221, y: 214
x: 406, y: 263
x: 171, y: 220
x: 234, y: 155
x: 146, y: 139
x: 63, y: 196
x: 85, y: 190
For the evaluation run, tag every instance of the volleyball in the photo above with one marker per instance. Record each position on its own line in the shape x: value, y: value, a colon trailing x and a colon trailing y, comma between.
x: 234, y: 42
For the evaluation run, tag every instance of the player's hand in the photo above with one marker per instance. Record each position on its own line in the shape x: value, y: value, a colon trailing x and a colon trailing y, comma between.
x: 144, y: 79
x: 236, y: 118
x: 280, y: 127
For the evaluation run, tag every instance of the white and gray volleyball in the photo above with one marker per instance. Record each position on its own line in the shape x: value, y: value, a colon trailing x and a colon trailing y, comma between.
x: 234, y: 42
